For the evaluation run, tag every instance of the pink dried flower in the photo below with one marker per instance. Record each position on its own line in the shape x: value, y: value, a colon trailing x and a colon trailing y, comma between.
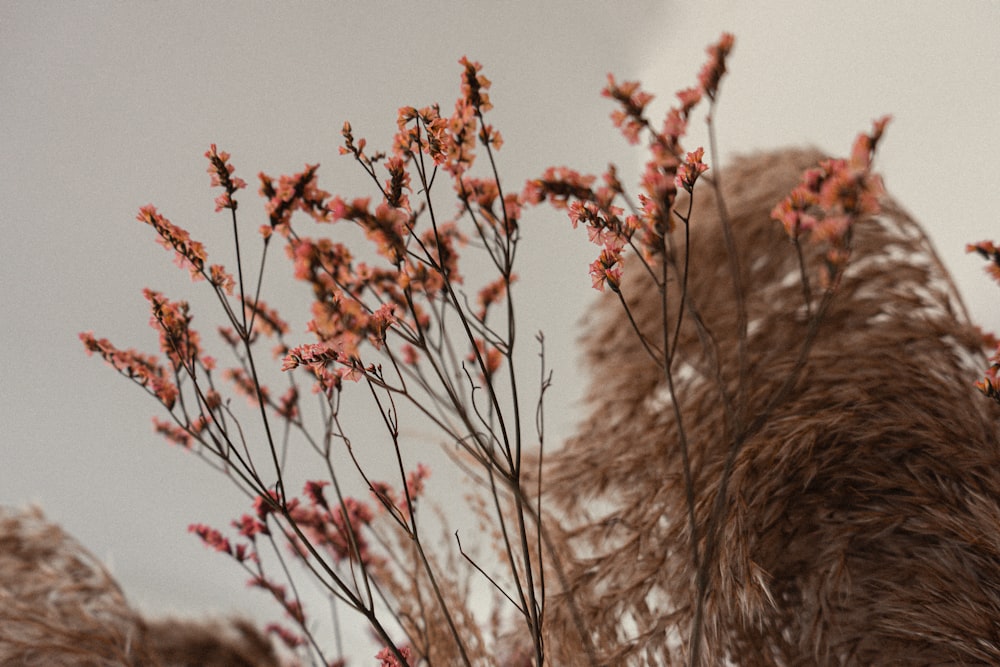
x: 266, y: 320
x: 491, y: 356
x: 415, y: 480
x: 606, y: 268
x: 250, y: 527
x: 143, y: 369
x: 311, y: 354
x: 189, y: 254
x: 221, y: 279
x: 491, y: 294
x: 314, y: 492
x: 475, y: 85
x: 691, y: 169
x: 388, y: 658
x: 172, y: 319
x: 287, y: 637
x: 559, y: 185
x: 211, y: 537
x: 689, y: 97
x: 172, y: 432
x: 291, y: 193
x: 830, y: 199
x: 222, y: 176
x: 713, y: 71
x: 629, y: 119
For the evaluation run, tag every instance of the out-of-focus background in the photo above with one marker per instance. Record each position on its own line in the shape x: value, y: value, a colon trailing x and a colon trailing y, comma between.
x: 107, y: 106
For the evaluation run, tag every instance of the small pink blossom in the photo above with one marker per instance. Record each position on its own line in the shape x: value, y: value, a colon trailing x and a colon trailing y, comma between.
x: 265, y: 506
x: 311, y: 354
x: 388, y: 658
x: 287, y: 637
x: 172, y: 432
x: 250, y: 527
x: 266, y: 320
x: 606, y: 268
x: 713, y: 71
x: 415, y: 480
x: 475, y: 85
x: 378, y: 324
x: 791, y: 211
x: 143, y: 369
x: 630, y: 118
x: 189, y: 254
x: 691, y: 169
x: 409, y: 354
x: 253, y: 391
x: 559, y: 185
x: 172, y: 319
x: 314, y: 492
x: 222, y: 176
x: 211, y: 537
x: 491, y: 356
x: 689, y: 97
x: 990, y: 383
x: 221, y: 279
x: 491, y: 294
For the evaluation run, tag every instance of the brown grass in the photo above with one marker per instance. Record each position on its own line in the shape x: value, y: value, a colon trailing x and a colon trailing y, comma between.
x: 861, y: 525
x: 60, y: 607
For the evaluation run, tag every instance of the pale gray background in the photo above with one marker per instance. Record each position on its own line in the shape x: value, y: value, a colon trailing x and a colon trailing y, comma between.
x: 109, y: 106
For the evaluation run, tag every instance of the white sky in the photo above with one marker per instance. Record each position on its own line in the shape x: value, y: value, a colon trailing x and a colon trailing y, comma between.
x: 109, y: 106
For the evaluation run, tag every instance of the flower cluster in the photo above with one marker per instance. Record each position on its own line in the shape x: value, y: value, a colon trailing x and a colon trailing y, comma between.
x: 218, y: 542
x: 222, y: 176
x: 474, y: 85
x: 289, y: 194
x: 335, y: 528
x: 144, y: 369
x: 388, y: 659
x: 355, y: 302
x: 689, y: 171
x: 189, y: 254
x: 469, y: 108
x: 178, y: 340
x: 182, y: 346
x: 401, y: 505
x: 338, y: 531
x: 669, y: 170
x: 831, y: 198
x: 419, y: 131
x: 265, y: 320
x: 712, y: 72
x: 560, y: 186
x: 630, y: 118
x: 174, y: 433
